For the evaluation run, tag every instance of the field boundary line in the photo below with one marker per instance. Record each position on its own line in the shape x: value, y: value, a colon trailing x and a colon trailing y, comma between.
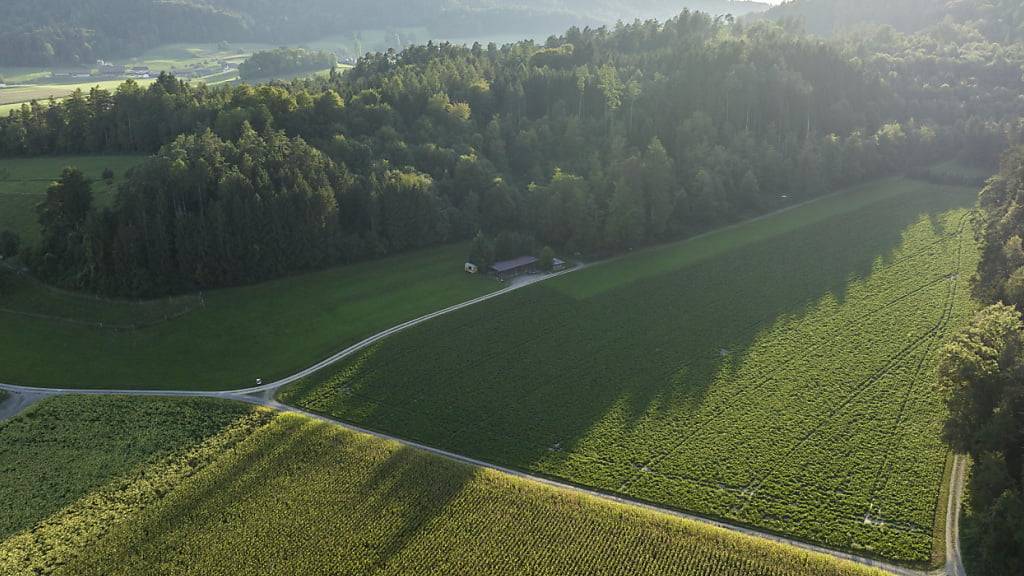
x: 263, y: 395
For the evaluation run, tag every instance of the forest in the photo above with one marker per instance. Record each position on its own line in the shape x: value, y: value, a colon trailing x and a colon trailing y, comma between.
x: 980, y: 373
x: 78, y: 32
x: 999, y: 20
x: 284, y: 62
x: 595, y: 142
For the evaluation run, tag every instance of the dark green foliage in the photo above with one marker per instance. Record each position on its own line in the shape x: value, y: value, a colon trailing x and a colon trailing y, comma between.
x: 982, y: 374
x: 201, y: 213
x: 1001, y: 272
x: 10, y: 243
x: 284, y: 62
x: 601, y: 144
x: 61, y: 255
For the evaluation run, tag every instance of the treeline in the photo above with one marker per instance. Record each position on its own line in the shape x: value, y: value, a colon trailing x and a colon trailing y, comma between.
x: 996, y: 20
x: 598, y: 141
x: 981, y: 372
x: 285, y: 61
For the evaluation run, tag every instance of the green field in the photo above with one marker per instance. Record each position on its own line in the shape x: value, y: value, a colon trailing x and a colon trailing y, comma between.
x: 223, y: 339
x: 777, y: 373
x: 23, y: 184
x: 44, y: 91
x: 119, y: 486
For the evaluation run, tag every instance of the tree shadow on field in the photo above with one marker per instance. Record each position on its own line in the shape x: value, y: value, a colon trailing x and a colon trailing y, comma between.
x: 537, y: 378
x: 98, y: 442
x: 410, y: 489
x: 201, y: 503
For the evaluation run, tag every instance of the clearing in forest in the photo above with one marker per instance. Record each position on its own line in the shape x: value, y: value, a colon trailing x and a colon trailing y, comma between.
x: 778, y: 373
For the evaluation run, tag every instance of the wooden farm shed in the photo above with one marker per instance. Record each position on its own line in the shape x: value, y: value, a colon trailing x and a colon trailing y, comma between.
x: 512, y: 268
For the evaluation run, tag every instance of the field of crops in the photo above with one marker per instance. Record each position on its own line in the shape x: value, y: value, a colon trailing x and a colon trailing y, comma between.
x: 176, y: 487
x: 23, y: 184
x: 778, y: 373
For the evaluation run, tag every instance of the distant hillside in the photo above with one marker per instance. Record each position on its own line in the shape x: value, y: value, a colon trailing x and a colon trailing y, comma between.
x: 48, y: 32
x: 998, y: 20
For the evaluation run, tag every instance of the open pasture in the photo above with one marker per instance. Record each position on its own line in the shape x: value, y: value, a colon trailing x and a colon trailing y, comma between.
x: 198, y: 486
x: 224, y: 339
x: 778, y: 373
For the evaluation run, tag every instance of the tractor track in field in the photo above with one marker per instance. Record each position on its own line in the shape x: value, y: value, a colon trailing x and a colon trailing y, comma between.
x: 22, y: 397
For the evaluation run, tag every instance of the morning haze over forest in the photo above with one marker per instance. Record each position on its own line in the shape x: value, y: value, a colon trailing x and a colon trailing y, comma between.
x: 543, y: 287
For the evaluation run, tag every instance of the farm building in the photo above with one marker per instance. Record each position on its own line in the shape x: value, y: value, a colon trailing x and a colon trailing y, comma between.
x: 512, y: 268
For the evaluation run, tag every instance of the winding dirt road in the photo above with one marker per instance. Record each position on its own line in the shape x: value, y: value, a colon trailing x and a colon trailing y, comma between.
x: 22, y: 397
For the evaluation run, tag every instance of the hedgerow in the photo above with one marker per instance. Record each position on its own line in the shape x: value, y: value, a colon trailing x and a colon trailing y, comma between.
x: 775, y: 375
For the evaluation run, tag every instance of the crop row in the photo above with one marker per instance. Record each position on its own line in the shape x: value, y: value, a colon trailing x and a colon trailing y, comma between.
x: 784, y: 384
x: 287, y: 495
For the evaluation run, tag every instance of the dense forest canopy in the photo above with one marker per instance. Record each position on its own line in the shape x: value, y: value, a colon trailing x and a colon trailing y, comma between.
x: 997, y: 20
x: 67, y: 32
x: 597, y: 141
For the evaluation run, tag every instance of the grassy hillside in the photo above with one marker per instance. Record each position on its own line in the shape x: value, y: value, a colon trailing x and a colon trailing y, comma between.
x: 223, y: 339
x: 777, y: 373
x: 176, y: 487
x: 23, y: 184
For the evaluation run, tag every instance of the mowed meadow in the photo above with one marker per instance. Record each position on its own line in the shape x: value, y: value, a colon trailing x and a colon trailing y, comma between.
x: 778, y: 374
x: 223, y: 339
x: 154, y: 486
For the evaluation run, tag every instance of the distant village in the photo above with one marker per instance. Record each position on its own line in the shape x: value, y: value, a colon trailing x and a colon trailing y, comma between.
x: 109, y: 71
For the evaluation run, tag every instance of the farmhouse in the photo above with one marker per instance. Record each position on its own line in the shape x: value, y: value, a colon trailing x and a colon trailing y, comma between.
x: 512, y: 268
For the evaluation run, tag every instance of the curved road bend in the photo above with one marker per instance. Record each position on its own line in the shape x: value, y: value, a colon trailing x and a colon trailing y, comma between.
x: 24, y: 396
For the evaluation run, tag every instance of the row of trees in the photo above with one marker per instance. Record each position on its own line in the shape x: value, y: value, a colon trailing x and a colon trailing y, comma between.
x: 982, y: 372
x: 285, y: 62
x: 598, y: 141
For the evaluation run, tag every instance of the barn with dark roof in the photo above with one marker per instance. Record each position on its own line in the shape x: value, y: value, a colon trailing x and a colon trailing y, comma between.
x: 511, y: 268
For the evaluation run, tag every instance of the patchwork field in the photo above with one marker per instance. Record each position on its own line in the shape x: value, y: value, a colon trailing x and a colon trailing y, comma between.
x: 778, y: 373
x: 23, y: 184
x: 223, y: 339
x: 13, y: 96
x: 199, y: 486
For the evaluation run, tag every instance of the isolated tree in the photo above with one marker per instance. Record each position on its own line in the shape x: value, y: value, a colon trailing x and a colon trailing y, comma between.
x: 546, y: 260
x: 481, y: 251
x: 61, y: 217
